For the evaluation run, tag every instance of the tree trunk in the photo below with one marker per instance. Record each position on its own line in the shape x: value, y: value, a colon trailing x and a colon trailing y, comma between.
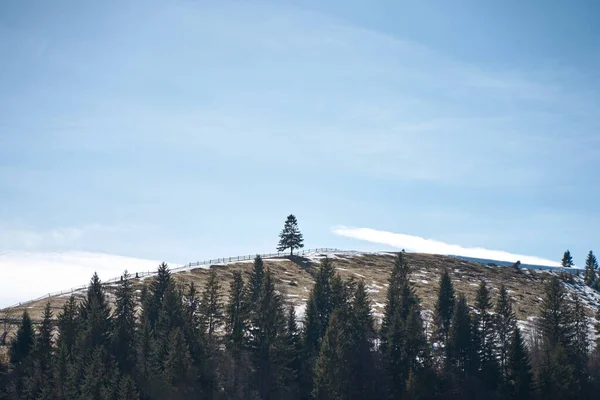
x: 291, y: 252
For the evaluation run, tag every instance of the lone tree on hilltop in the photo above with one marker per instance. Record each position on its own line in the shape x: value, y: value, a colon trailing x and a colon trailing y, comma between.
x: 567, y: 261
x: 290, y: 237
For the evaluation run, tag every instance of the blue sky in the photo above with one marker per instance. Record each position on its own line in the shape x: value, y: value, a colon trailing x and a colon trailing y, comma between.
x: 184, y: 130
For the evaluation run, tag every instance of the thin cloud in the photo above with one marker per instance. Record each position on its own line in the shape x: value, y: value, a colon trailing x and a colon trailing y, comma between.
x: 429, y: 246
x: 27, y: 275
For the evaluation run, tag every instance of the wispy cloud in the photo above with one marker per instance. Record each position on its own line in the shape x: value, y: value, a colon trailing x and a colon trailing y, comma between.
x: 27, y: 275
x: 16, y: 237
x: 429, y: 246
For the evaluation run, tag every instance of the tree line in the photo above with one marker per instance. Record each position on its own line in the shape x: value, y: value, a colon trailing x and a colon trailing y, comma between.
x: 177, y: 342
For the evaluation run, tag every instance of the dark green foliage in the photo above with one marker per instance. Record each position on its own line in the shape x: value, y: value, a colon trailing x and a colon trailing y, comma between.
x: 505, y: 325
x: 444, y: 308
x: 567, y: 260
x: 235, y: 314
x: 591, y: 265
x: 556, y: 318
x: 123, y: 335
x: 345, y: 367
x: 267, y: 342
x: 290, y: 237
x: 519, y: 377
x: 22, y: 344
x: 256, y: 281
x: 173, y: 348
x: 485, y: 339
x: 94, y: 314
x: 210, y: 307
x: 461, y: 349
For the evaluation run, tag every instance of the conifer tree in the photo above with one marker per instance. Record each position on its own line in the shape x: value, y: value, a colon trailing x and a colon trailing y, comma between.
x: 290, y: 237
x: 323, y: 299
x: 41, y: 380
x: 400, y: 297
x: 444, y: 308
x: 235, y: 323
x: 567, y: 260
x: 127, y: 389
x: 519, y: 377
x: 123, y: 336
x: 22, y: 344
x: 293, y: 359
x: 485, y: 336
x: 99, y: 377
x: 179, y: 374
x: 556, y: 318
x: 461, y: 352
x: 68, y: 323
x: 581, y: 342
x: 345, y: 367
x: 268, y: 341
x: 156, y: 293
x: 210, y: 307
x: 591, y: 265
x: 256, y: 280
x: 505, y: 326
x: 95, y: 318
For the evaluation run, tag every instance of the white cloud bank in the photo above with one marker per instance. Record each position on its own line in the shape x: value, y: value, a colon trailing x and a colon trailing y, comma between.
x: 28, y: 275
x: 422, y: 245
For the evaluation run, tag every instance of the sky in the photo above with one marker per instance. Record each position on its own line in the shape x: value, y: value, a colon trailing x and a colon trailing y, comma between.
x: 142, y: 131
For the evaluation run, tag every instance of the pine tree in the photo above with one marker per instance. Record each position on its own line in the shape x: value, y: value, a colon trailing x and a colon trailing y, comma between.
x: 22, y: 344
x: 444, y: 308
x: 567, y: 260
x: 156, y: 293
x: 127, y: 389
x: 123, y: 335
x: 591, y: 265
x: 519, y: 376
x: 65, y: 368
x: 581, y: 342
x: 95, y: 318
x: 345, y: 366
x: 41, y: 380
x: 268, y: 341
x: 505, y: 326
x: 99, y: 377
x: 461, y: 351
x: 256, y: 280
x: 485, y: 335
x: 235, y: 323
x: 210, y: 307
x: 400, y: 297
x: 179, y: 373
x: 290, y: 237
x: 556, y: 318
x: 293, y: 359
x: 556, y: 375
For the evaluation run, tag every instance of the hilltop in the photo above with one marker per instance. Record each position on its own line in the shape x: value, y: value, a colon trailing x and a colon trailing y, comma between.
x: 294, y: 278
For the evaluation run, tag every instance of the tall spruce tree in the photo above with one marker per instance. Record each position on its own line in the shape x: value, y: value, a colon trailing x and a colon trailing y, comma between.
x: 290, y: 237
x: 268, y: 342
x: 22, y: 345
x: 444, y: 308
x: 255, y: 284
x: 567, y: 260
x: 485, y: 336
x: 345, y: 367
x: 581, y: 343
x: 293, y: 361
x: 591, y: 265
x: 556, y: 318
x: 461, y: 350
x: 95, y: 318
x: 41, y: 380
x: 235, y: 314
x: 123, y: 335
x: 505, y: 324
x: 179, y: 374
x: 211, y: 309
x: 519, y: 378
x: 68, y: 323
x: 156, y: 293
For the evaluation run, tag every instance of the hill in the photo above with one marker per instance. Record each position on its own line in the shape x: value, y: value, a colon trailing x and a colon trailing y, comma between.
x: 294, y: 278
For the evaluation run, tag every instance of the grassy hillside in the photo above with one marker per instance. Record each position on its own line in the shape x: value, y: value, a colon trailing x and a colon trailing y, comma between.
x: 294, y: 278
